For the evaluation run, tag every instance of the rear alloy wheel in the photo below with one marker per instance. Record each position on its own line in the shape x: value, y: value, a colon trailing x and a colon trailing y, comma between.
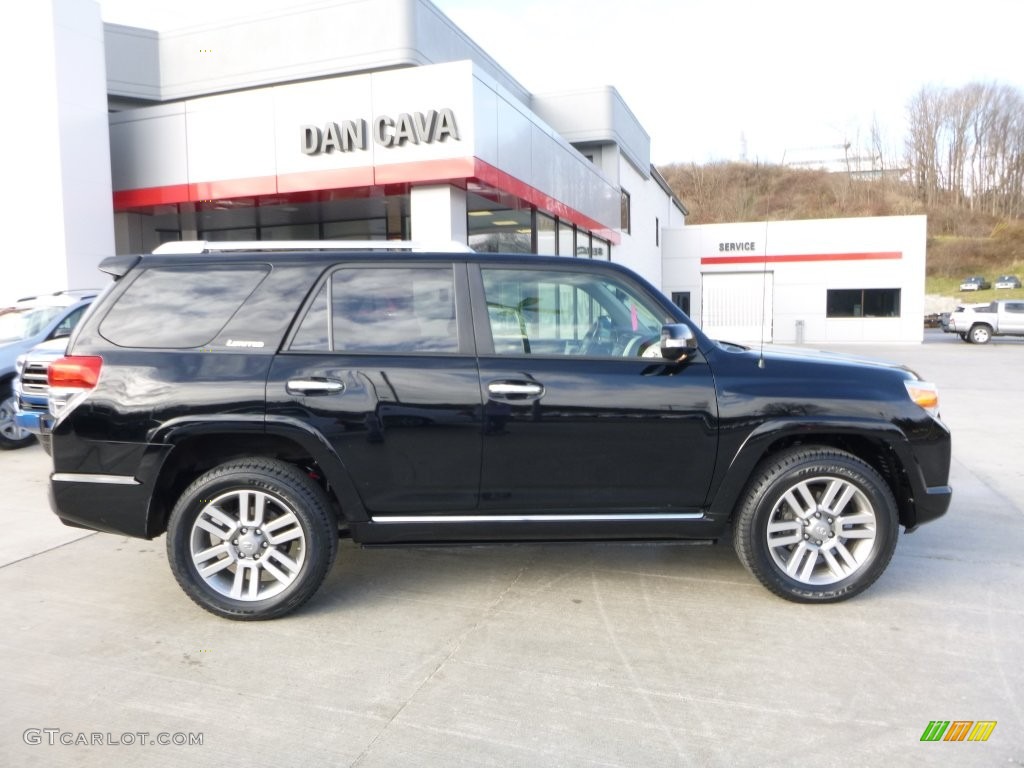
x: 818, y: 525
x: 252, y: 539
x: 11, y: 435
x: 980, y: 334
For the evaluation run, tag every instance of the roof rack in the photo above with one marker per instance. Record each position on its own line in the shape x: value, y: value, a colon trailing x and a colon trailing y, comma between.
x: 79, y: 292
x: 206, y: 246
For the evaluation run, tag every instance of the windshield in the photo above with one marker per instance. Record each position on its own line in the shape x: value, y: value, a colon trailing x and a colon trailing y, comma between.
x: 25, y: 323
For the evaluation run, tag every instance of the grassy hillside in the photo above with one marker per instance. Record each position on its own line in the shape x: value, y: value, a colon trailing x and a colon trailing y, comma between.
x: 960, y: 242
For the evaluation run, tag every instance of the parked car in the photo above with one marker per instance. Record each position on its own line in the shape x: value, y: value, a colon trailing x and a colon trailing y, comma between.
x: 257, y: 405
x: 22, y: 326
x: 975, y: 283
x: 1007, y: 281
x: 978, y: 323
x: 31, y: 390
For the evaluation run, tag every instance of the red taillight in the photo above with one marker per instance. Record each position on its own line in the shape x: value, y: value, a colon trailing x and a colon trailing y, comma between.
x: 75, y: 372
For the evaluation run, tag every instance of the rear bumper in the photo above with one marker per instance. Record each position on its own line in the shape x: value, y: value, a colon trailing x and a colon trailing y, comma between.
x: 105, y: 501
x: 111, y: 503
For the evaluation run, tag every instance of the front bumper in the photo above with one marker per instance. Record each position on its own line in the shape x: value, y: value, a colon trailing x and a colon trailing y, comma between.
x: 36, y: 422
x: 932, y: 505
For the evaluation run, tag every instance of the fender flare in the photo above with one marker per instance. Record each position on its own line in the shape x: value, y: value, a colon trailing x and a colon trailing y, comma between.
x: 755, y: 448
x: 172, y: 433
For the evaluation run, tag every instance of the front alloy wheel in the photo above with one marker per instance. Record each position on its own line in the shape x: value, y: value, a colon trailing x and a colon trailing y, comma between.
x: 251, y: 539
x: 817, y: 525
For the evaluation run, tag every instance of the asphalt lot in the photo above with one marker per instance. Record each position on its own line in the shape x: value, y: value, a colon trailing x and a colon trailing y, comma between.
x: 567, y: 655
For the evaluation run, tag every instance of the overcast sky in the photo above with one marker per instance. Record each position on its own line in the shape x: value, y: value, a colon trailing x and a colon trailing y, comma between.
x: 710, y: 79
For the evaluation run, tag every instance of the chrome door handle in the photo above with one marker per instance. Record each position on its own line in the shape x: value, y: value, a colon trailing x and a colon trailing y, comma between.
x: 313, y: 387
x: 515, y: 389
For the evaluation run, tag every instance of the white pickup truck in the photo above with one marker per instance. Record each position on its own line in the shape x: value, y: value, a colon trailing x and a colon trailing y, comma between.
x: 978, y: 323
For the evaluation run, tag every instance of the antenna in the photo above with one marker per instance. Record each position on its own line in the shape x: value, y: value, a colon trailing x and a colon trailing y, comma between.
x: 764, y: 270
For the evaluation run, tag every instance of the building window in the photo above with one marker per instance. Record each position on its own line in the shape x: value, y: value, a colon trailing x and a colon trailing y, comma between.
x: 657, y: 231
x: 682, y: 300
x: 583, y: 245
x: 566, y: 239
x: 547, y: 237
x: 863, y: 302
x: 501, y: 230
x: 624, y: 211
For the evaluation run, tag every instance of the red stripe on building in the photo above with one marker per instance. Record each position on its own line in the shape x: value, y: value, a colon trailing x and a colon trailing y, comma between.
x: 256, y: 186
x: 335, y: 178
x: 125, y: 199
x: 459, y: 169
x: 803, y: 257
x: 498, y: 179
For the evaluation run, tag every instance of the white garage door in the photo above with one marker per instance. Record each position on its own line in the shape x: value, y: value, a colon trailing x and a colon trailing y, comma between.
x: 738, y: 306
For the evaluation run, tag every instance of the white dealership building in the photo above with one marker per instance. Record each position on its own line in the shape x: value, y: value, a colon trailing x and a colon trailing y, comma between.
x: 380, y: 119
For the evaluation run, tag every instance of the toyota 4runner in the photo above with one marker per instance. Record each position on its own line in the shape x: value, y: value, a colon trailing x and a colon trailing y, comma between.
x: 258, y: 401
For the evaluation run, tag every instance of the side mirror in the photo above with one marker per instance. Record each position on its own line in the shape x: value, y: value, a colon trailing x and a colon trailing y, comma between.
x: 677, y: 341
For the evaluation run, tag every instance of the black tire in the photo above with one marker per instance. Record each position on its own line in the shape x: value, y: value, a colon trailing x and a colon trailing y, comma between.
x: 11, y: 436
x: 859, y: 518
x: 980, y: 334
x: 261, y: 517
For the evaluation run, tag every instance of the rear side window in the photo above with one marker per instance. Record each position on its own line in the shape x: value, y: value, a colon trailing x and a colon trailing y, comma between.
x: 383, y: 311
x: 179, y: 307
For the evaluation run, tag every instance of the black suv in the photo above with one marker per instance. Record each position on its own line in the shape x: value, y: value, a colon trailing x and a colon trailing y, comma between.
x: 257, y: 401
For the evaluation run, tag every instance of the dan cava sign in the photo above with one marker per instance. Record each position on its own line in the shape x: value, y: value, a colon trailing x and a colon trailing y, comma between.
x: 433, y: 126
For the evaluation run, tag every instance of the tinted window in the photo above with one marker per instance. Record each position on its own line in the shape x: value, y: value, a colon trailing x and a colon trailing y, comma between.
x: 1015, y: 307
x: 569, y: 313
x: 386, y: 310
x: 179, y: 307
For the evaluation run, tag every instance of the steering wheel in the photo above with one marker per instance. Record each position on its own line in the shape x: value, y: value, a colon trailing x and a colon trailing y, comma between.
x: 598, y: 336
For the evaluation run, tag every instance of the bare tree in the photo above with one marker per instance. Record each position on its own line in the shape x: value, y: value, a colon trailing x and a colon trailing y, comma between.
x: 966, y: 147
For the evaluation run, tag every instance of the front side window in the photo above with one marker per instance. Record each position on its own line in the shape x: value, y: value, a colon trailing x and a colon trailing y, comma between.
x: 570, y: 313
x: 383, y: 310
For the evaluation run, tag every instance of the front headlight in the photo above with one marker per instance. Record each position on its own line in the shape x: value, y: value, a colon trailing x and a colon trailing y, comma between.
x: 925, y: 394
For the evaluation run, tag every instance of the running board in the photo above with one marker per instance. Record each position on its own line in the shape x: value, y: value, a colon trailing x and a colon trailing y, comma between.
x: 531, y: 527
